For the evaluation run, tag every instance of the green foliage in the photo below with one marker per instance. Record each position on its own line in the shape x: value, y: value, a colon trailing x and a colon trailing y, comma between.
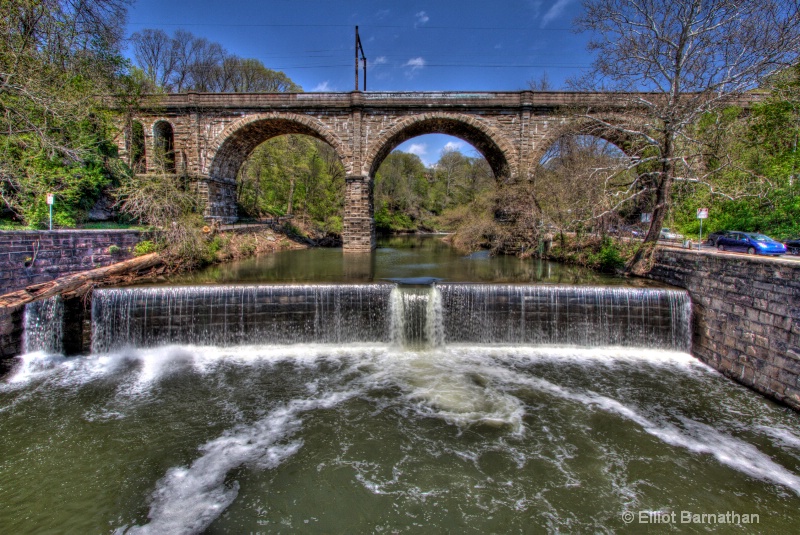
x: 387, y: 222
x: 757, y: 164
x: 294, y: 175
x: 76, y: 187
x: 610, y: 258
x: 409, y: 196
x: 114, y: 249
x: 144, y: 247
x: 55, y: 136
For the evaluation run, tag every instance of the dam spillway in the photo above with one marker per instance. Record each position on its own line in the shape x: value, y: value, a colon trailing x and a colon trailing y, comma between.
x: 445, y: 313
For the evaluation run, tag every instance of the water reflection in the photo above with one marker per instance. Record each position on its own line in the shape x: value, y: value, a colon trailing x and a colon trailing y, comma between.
x: 398, y: 257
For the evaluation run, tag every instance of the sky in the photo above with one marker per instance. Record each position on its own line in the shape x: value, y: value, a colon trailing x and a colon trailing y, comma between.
x: 427, y: 45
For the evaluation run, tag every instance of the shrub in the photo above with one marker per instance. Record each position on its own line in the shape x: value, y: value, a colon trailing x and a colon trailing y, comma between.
x: 610, y: 258
x: 144, y: 247
x: 114, y: 249
x: 247, y: 247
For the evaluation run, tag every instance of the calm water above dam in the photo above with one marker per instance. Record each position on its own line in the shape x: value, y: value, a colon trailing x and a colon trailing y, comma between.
x: 397, y: 257
x: 519, y: 403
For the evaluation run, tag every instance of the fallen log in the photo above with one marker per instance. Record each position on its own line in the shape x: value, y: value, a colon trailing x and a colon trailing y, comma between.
x: 78, y: 284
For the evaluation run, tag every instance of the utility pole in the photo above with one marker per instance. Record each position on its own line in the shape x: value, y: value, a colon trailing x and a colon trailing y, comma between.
x: 358, y: 48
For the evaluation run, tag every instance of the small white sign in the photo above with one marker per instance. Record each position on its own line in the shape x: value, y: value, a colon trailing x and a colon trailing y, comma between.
x: 51, y: 197
x: 702, y: 213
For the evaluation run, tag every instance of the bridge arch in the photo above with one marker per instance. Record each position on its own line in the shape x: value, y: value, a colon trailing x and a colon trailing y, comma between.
x: 164, y: 146
x: 493, y: 145
x: 586, y: 127
x: 237, y: 141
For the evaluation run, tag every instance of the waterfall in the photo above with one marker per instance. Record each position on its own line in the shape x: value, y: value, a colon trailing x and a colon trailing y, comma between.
x: 44, y: 326
x: 407, y: 316
x: 416, y: 317
x: 235, y: 315
x: 566, y: 315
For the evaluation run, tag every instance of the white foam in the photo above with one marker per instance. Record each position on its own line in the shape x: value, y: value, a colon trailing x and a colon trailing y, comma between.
x: 187, y: 500
x: 782, y: 435
x: 695, y: 436
x: 596, y: 356
x: 440, y: 385
x: 31, y: 367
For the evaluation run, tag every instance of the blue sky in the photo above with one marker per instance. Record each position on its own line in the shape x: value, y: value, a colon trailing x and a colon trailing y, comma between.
x: 433, y: 45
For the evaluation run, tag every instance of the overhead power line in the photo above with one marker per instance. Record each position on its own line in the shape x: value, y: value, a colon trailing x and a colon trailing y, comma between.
x: 380, y: 27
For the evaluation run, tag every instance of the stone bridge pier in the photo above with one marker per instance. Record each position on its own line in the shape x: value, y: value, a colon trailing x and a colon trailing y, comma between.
x: 208, y: 136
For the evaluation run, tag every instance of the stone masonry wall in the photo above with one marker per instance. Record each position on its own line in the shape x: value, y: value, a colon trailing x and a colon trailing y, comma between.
x: 11, y: 327
x: 359, y: 226
x: 31, y: 256
x: 746, y: 319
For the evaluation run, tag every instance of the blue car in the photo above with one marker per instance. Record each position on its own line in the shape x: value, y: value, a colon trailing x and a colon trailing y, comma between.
x: 750, y: 243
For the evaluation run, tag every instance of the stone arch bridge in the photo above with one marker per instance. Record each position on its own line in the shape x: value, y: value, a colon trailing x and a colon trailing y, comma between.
x: 209, y: 135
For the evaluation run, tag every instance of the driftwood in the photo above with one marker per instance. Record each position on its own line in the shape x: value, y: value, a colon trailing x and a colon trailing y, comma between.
x: 79, y: 284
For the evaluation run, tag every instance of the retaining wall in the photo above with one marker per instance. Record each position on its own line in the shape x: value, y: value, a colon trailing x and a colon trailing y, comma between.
x: 32, y: 256
x: 746, y: 320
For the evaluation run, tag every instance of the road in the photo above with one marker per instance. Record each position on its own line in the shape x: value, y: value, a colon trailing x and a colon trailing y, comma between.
x: 712, y: 249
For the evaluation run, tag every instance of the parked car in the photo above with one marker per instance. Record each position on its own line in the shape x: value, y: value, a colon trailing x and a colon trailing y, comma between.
x: 667, y: 234
x: 793, y: 246
x: 750, y: 243
x: 714, y: 236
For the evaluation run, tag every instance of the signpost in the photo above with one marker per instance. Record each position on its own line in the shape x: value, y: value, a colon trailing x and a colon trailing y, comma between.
x: 51, y: 197
x: 702, y: 213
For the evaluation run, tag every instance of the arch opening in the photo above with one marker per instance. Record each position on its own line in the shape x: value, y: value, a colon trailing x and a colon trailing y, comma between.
x: 496, y: 154
x: 586, y: 182
x: 424, y: 177
x: 297, y: 176
x: 238, y: 144
x: 135, y: 146
x: 164, y: 146
x: 572, y: 149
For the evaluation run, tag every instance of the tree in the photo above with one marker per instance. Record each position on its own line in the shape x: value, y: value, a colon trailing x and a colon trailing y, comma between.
x: 762, y: 142
x: 294, y: 175
x: 542, y: 84
x: 691, y: 56
x: 185, y: 62
x: 240, y: 75
x: 56, y: 56
x: 153, y: 52
x: 577, y: 180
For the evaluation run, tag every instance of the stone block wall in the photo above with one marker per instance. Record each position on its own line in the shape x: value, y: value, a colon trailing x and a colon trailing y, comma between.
x: 219, y: 198
x: 240, y: 314
x: 746, y: 316
x: 31, y: 256
x: 359, y: 225
x: 11, y: 328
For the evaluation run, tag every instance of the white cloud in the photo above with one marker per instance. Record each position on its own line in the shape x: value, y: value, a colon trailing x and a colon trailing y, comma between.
x: 422, y: 18
x: 452, y: 145
x: 536, y: 5
x: 380, y: 60
x: 415, y: 63
x: 322, y: 87
x: 420, y: 149
x: 555, y: 11
x: 382, y: 14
